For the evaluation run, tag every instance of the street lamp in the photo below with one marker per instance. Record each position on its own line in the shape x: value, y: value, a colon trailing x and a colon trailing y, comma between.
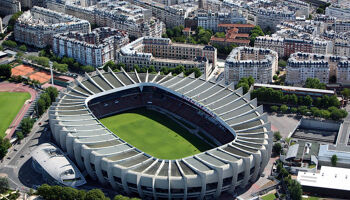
x: 50, y: 63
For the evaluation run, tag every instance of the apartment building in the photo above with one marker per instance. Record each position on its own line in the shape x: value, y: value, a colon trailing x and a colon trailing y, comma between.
x: 288, y: 46
x: 301, y: 8
x: 121, y: 15
x: 174, y: 15
x: 261, y: 64
x: 270, y: 18
x: 340, y: 12
x: 211, y: 20
x: 94, y: 48
x: 343, y: 73
x: 37, y: 26
x: 161, y: 52
x: 341, y: 48
x: 8, y: 7
x: 308, y: 65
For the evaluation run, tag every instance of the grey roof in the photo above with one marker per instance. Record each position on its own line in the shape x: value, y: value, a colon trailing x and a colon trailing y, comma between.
x: 292, y: 151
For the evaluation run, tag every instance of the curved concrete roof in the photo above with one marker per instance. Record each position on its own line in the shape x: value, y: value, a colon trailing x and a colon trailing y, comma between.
x: 235, y: 111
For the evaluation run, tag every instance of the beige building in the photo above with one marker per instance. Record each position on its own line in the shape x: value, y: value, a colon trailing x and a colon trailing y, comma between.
x: 261, y: 64
x: 161, y: 52
x: 306, y: 65
x: 343, y: 72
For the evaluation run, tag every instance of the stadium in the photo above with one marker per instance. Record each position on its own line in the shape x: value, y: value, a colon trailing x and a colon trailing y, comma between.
x: 239, y: 135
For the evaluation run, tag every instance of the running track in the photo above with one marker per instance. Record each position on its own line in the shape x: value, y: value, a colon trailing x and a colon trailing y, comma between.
x: 18, y: 87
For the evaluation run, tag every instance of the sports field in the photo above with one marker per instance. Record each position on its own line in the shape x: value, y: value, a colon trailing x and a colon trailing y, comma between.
x: 11, y: 103
x: 155, y: 134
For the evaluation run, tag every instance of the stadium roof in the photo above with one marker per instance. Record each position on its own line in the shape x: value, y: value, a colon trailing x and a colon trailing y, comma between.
x: 234, y: 110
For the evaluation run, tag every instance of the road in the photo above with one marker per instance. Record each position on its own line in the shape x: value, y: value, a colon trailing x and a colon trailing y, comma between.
x: 17, y: 163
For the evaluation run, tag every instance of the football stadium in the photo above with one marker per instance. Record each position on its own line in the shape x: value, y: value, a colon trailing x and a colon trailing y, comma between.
x: 103, y: 122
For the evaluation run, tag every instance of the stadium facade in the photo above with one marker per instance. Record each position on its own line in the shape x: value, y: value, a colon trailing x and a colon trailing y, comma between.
x: 237, y: 126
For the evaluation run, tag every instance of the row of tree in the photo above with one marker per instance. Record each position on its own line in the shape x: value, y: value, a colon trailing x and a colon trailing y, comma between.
x: 330, y: 113
x: 48, y: 192
x: 277, y: 96
x: 13, y: 20
x: 46, y: 99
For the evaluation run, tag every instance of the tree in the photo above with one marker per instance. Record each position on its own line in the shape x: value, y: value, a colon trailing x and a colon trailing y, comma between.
x: 293, y: 99
x: 5, y: 71
x: 52, y: 92
x: 254, y: 33
x: 13, y: 20
x: 277, y: 148
x: 22, y: 47
x: 4, y: 184
x: 294, y: 110
x: 320, y: 11
x: 336, y: 114
x: 121, y: 197
x: 334, y: 160
x: 277, y: 135
x: 41, y: 105
x: 110, y: 64
x: 275, y: 77
x: 295, y: 190
x: 346, y: 93
x: 10, y: 43
x: 45, y: 96
x: 314, y: 83
x: 26, y: 125
x: 308, y: 100
x: 282, y: 63
x: 20, y: 135
x: 274, y: 108
x: 4, y: 146
x: 95, y: 194
x: 284, y: 108
x: 245, y: 87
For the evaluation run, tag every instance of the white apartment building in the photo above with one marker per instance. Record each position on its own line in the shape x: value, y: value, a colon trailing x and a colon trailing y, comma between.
x: 307, y: 65
x: 161, y: 52
x: 301, y: 8
x: 210, y: 20
x: 174, y: 15
x: 338, y: 11
x: 343, y: 72
x: 37, y: 26
x: 121, y: 15
x: 341, y: 48
x: 8, y: 7
x: 272, y: 17
x: 261, y: 64
x: 94, y: 48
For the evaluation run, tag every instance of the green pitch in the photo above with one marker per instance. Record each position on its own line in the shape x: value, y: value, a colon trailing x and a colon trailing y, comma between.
x: 155, y: 134
x: 11, y: 103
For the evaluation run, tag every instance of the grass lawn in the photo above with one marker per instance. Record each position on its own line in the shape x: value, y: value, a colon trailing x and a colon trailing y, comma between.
x: 269, y: 197
x: 11, y: 103
x: 155, y: 134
